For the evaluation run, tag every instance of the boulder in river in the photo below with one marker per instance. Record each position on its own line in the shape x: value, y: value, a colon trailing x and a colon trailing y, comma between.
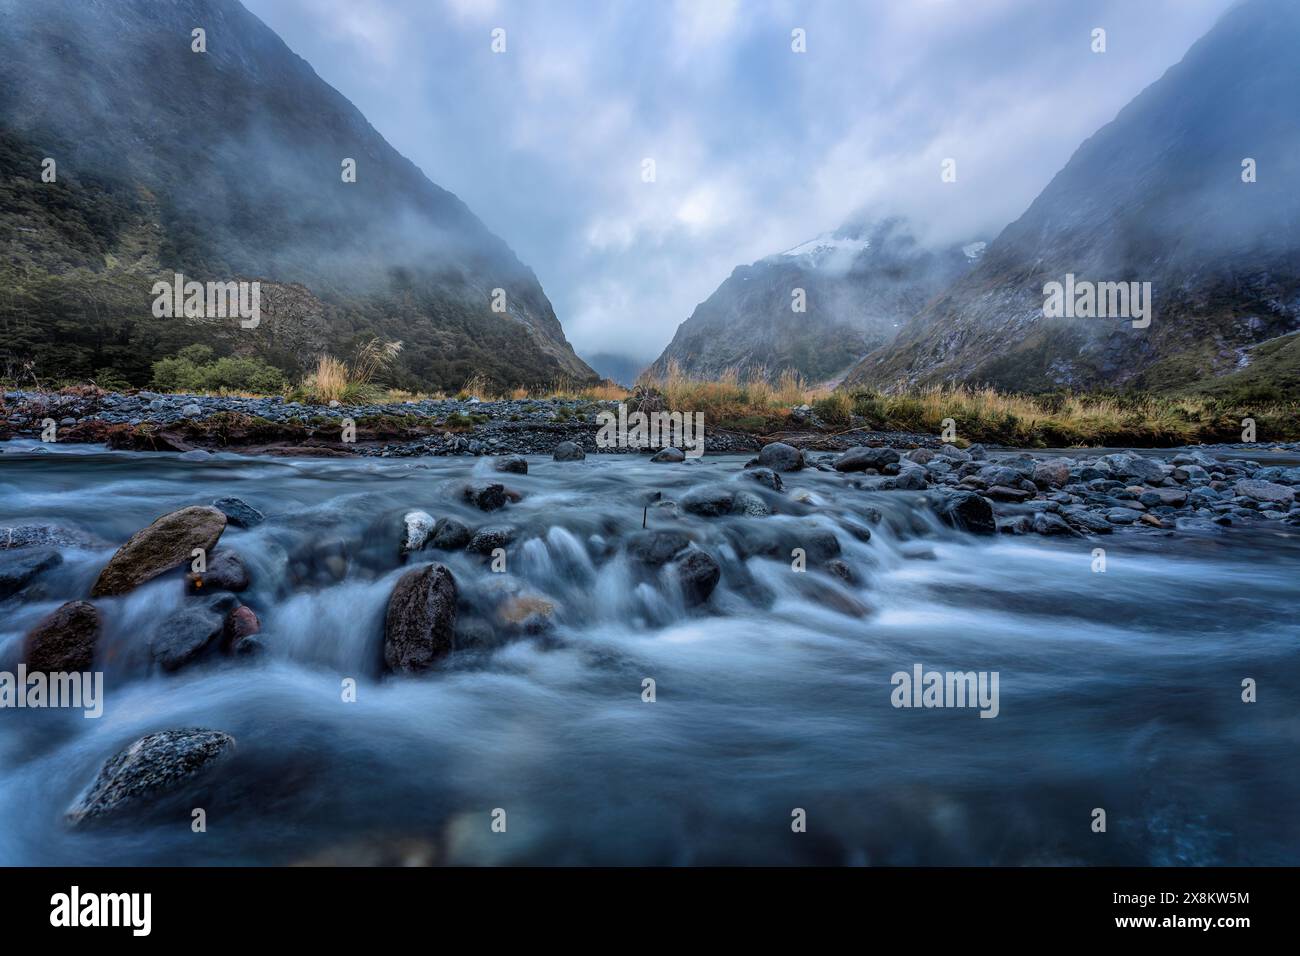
x: 239, y: 512
x: 967, y: 511
x: 765, y: 476
x: 1265, y: 491
x: 709, y: 501
x: 19, y: 568
x: 486, y: 495
x: 863, y: 457
x: 420, y: 624
x: 511, y: 464
x: 155, y: 766
x: 670, y: 455
x: 487, y: 539
x: 568, y: 451
x: 698, y: 574
x: 242, y: 622
x: 64, y: 641
x: 450, y: 534
x: 226, y: 572
x: 184, y: 635
x: 779, y: 456
x: 162, y: 546
x: 417, y: 526
x: 656, y: 546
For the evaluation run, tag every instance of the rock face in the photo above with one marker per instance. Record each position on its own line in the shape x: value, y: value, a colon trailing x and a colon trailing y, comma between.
x: 419, y: 627
x: 860, y: 283
x: 154, y: 766
x: 64, y: 641
x: 157, y: 549
x: 1222, y: 256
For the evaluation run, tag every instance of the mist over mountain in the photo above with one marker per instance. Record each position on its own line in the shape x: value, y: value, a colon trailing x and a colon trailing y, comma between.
x: 1157, y: 196
x: 857, y: 286
x: 227, y: 164
x: 623, y: 369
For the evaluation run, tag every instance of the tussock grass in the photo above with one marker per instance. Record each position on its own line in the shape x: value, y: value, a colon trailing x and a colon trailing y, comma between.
x: 335, y: 380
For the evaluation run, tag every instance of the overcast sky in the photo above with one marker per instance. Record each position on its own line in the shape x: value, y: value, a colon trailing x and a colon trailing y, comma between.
x: 756, y: 148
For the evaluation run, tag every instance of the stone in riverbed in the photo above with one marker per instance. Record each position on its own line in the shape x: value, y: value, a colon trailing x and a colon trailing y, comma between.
x: 765, y: 476
x: 417, y: 526
x: 450, y: 534
x: 672, y: 456
x: 420, y: 623
x: 568, y: 451
x: 226, y: 572
x: 1052, y: 474
x: 698, y: 574
x: 241, y: 623
x: 1170, y: 497
x: 488, y: 539
x: 967, y: 511
x: 1265, y: 491
x: 779, y: 456
x: 1122, y: 515
x: 184, y: 635
x: 64, y: 642
x: 154, y: 766
x: 512, y: 464
x: 486, y: 496
x: 710, y: 501
x: 863, y: 457
x: 656, y: 547
x: 1050, y: 524
x: 161, y: 547
x: 1003, y: 493
x: 19, y: 568
x: 239, y: 512
x: 947, y: 450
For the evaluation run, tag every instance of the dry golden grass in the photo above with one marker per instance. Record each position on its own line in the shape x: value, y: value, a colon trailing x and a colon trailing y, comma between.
x: 335, y: 380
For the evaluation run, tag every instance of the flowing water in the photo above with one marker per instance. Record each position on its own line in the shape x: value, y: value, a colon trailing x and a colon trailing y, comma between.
x: 1118, y: 690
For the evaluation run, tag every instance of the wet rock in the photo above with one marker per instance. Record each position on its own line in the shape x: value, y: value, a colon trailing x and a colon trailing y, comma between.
x: 922, y: 456
x: 19, y: 568
x: 779, y: 456
x: 568, y: 451
x: 1087, y: 521
x: 239, y: 512
x: 710, y: 501
x: 184, y: 635
x: 672, y: 456
x: 154, y: 766
x: 947, y: 450
x: 977, y: 452
x: 910, y: 478
x: 1016, y: 524
x: 765, y: 476
x: 1128, y: 465
x: 450, y: 534
x: 841, y: 570
x: 488, y: 539
x: 64, y: 642
x: 1003, y: 493
x: 1050, y: 524
x: 1265, y: 491
x: 1168, y: 497
x: 420, y: 623
x: 749, y: 504
x: 1153, y: 520
x: 698, y: 574
x: 863, y: 457
x: 161, y: 547
x: 967, y: 511
x: 226, y: 572
x: 486, y: 496
x: 45, y: 536
x: 820, y: 544
x: 242, y: 622
x: 1052, y: 474
x: 530, y: 613
x: 511, y: 464
x: 1122, y: 515
x: 417, y: 526
x: 656, y: 546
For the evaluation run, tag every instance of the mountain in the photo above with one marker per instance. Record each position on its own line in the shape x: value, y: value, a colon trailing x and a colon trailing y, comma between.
x: 227, y: 165
x: 860, y: 283
x: 622, y: 369
x: 1157, y: 195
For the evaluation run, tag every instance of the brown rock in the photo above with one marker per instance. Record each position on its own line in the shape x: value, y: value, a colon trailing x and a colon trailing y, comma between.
x: 419, y: 626
x: 241, y: 623
x: 166, y: 544
x: 65, y: 641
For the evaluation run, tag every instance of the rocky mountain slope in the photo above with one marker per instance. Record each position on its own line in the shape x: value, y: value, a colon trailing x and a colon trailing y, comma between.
x: 1157, y: 196
x: 860, y: 283
x: 228, y: 165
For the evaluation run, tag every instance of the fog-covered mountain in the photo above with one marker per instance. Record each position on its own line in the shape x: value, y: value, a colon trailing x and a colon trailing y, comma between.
x: 222, y: 165
x: 1157, y: 196
x: 857, y: 285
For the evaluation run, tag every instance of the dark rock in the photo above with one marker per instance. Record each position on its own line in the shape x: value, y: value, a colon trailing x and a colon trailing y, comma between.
x: 780, y: 457
x: 226, y: 572
x: 419, y: 626
x: 512, y: 464
x: 239, y: 512
x: 947, y: 450
x: 154, y: 766
x: 185, y: 635
x: 450, y: 534
x: 862, y: 457
x: 698, y: 574
x: 1003, y: 493
x: 486, y: 496
x: 162, y: 546
x: 672, y: 456
x: 488, y: 539
x: 656, y: 547
x: 710, y: 501
x: 841, y: 570
x: 45, y: 536
x: 19, y: 568
x: 64, y: 642
x: 967, y: 511
x: 1047, y: 523
x: 568, y: 451
x: 765, y: 476
x: 820, y: 544
x: 1265, y: 491
x: 242, y: 622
